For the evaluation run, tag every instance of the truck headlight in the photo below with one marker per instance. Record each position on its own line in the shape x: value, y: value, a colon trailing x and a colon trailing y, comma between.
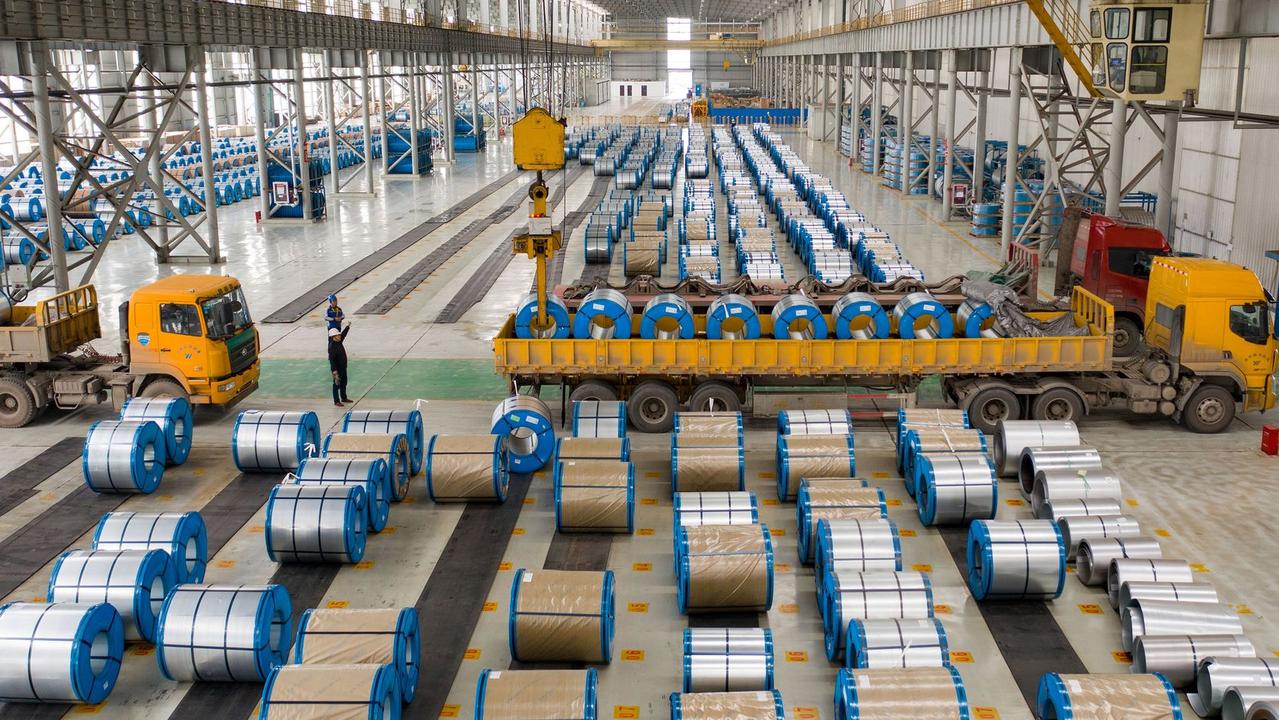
x: 226, y: 387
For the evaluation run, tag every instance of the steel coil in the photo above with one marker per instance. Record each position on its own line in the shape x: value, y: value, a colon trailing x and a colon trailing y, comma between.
x: 815, y: 422
x: 393, y: 449
x: 710, y: 423
x: 918, y: 441
x: 757, y: 705
x: 175, y: 419
x: 920, y: 316
x: 667, y: 317
x: 134, y: 582
x: 1260, y: 710
x: 1250, y: 703
x: 526, y: 312
x: 722, y: 568
x: 1125, y: 570
x: 1092, y: 561
x: 1057, y: 510
x: 1106, y: 696
x: 1177, y: 657
x: 1015, y: 559
x: 460, y: 468
x: 871, y: 596
x: 1013, y: 436
x: 732, y: 317
x: 123, y: 456
x: 373, y: 475
x: 525, y: 422
x: 1095, y: 527
x: 592, y: 448
x: 316, y: 523
x: 797, y: 317
x: 594, y: 496
x: 1192, y: 592
x: 976, y: 320
x: 1157, y: 618
x: 599, y: 419
x: 692, y: 509
x: 224, y: 633
x: 561, y: 616
x: 915, y: 419
x: 534, y: 694
x: 182, y: 535
x: 374, y: 636
x: 1217, y: 674
x: 848, y: 546
x: 801, y: 456
x: 833, y: 499
x: 896, y: 643
x: 728, y: 659
x: 59, y: 652
x: 932, y: 693
x: 955, y: 488
x: 706, y: 463
x: 391, y: 422
x: 604, y: 314
x: 369, y: 691
x: 859, y: 316
x: 1060, y: 461
x: 274, y: 441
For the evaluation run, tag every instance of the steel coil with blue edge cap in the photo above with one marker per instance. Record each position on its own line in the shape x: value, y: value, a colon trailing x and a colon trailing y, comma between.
x: 833, y: 498
x: 1139, y: 695
x: 797, y: 317
x: 882, y: 692
x: 872, y: 595
x: 724, y: 568
x: 743, y: 705
x: 728, y: 659
x: 368, y: 691
x: 1015, y: 559
x: 732, y: 317
x: 859, y: 316
x: 392, y: 448
x: 182, y: 535
x: 378, y: 636
x: 560, y: 328
x: 814, y: 422
x: 817, y: 456
x: 391, y: 422
x: 594, y: 495
x: 919, y: 441
x: 667, y: 317
x: 123, y: 456
x: 373, y: 474
x: 60, y: 652
x: 896, y: 643
x: 134, y: 582
x: 525, y: 422
x: 224, y: 633
x: 604, y: 314
x: 274, y: 440
x: 461, y: 468
x: 976, y: 320
x: 561, y: 616
x: 174, y: 417
x: 599, y: 419
x: 955, y: 488
x: 920, y: 418
x: 509, y: 694
x: 856, y: 545
x: 921, y: 316
x: 316, y: 523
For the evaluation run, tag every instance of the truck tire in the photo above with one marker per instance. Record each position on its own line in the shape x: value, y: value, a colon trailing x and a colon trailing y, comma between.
x: 715, y: 396
x: 17, y: 404
x: 1210, y: 409
x: 1058, y: 404
x: 593, y: 390
x: 163, y: 387
x: 652, y: 407
x: 1127, y: 336
x: 991, y: 406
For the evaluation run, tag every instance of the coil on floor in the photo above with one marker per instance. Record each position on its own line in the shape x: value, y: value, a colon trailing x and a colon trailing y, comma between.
x: 274, y: 441
x: 560, y: 329
x: 1015, y: 559
x: 1056, y: 510
x: 392, y: 448
x: 1075, y: 529
x: 1013, y: 436
x: 1250, y: 703
x: 182, y: 535
x: 123, y: 456
x: 525, y: 422
x: 60, y: 652
x: 760, y: 705
x: 224, y: 633
x: 920, y: 316
x: 316, y: 523
x: 175, y: 418
x: 1092, y: 561
x: 932, y: 693
x: 922, y: 419
x: 592, y: 448
x: 732, y: 317
x: 797, y: 317
x: 561, y: 616
x: 373, y: 475
x: 1177, y: 657
x: 955, y: 488
x: 667, y: 317
x: 896, y: 643
x: 877, y: 595
x: 460, y: 468
x: 604, y: 314
x: 728, y: 659
x: 391, y: 422
x: 599, y: 419
x: 737, y: 507
x: 814, y: 422
x: 594, y: 496
x: 1125, y: 570
x: 801, y: 456
x: 1057, y: 462
x: 847, y: 546
x: 369, y: 691
x: 706, y: 462
x: 537, y: 695
x: 1155, y: 617
x: 1103, y: 696
x: 724, y: 568
x: 1217, y: 674
x: 361, y: 636
x: 833, y: 499
x: 134, y: 582
x: 932, y: 440
x: 1192, y: 592
x: 859, y: 316
x: 710, y: 423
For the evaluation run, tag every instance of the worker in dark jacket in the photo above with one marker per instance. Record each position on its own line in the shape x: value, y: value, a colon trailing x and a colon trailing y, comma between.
x: 337, y: 364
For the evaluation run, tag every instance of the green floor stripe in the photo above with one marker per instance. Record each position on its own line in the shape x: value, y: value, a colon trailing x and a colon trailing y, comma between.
x: 385, y: 378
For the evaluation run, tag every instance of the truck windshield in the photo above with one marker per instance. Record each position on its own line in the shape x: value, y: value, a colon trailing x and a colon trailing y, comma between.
x: 1134, y: 262
x: 226, y: 315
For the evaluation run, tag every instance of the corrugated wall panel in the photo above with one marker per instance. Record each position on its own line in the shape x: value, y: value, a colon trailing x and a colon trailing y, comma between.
x: 1256, y: 213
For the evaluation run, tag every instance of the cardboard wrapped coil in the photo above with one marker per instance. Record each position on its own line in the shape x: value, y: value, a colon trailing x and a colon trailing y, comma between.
x: 896, y: 643
x: 894, y: 694
x: 537, y: 695
x: 801, y: 456
x: 642, y: 257
x: 916, y: 418
x: 599, y: 419
x: 393, y: 448
x: 1015, y: 559
x: 758, y: 705
x: 592, y: 448
x: 705, y: 462
x: 728, y: 659
x: 937, y: 440
x: 709, y: 422
x: 1106, y: 697
x: 466, y: 467
x: 331, y: 692
x: 724, y: 567
x: 833, y: 499
x: 329, y: 636
x: 594, y: 496
x: 878, y: 595
x: 561, y: 616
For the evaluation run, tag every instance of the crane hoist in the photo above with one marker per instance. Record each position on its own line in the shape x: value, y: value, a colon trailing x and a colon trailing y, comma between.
x: 538, y: 140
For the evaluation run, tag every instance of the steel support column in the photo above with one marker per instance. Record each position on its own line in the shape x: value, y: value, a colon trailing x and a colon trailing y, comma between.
x: 1013, y: 160
x: 49, y: 166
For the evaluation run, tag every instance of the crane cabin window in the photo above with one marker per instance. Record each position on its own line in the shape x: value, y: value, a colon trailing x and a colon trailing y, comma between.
x: 1094, y: 23
x: 1117, y: 63
x: 1153, y: 25
x: 1117, y: 23
x: 1149, y: 69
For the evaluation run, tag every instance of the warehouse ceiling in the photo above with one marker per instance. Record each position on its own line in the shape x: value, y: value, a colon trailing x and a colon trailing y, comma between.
x: 698, y: 10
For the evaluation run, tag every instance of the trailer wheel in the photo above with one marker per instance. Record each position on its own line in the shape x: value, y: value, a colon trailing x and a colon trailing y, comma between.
x: 1210, y: 409
x: 991, y: 406
x: 1058, y: 404
x: 652, y: 407
x: 714, y: 396
x: 1127, y: 336
x: 17, y: 404
x: 593, y: 390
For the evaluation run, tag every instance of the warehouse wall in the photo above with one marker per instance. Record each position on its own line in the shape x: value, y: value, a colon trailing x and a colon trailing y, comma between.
x: 708, y: 67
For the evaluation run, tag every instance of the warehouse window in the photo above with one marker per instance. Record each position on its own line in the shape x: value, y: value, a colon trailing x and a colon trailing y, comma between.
x: 679, y: 63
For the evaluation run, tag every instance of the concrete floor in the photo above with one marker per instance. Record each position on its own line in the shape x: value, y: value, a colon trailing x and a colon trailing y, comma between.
x: 1210, y: 495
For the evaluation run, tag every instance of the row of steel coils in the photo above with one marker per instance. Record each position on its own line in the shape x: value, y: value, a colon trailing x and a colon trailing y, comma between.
x: 593, y: 478
x: 630, y: 174
x: 698, y: 238
x: 747, y: 218
x: 129, y: 455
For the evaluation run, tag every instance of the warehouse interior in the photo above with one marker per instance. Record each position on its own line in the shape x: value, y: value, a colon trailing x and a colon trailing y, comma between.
x: 635, y: 359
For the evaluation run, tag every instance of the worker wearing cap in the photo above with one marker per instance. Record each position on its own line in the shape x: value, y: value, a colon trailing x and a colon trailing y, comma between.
x: 337, y: 364
x: 333, y: 315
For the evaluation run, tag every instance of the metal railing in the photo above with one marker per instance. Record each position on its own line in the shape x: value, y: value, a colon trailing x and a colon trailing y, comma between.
x: 919, y: 11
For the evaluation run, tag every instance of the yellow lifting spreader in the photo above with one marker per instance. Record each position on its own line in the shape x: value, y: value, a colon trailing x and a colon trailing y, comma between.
x: 538, y: 139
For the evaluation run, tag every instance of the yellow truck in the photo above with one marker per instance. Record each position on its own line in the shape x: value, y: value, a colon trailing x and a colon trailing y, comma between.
x: 1211, y: 351
x: 184, y: 335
